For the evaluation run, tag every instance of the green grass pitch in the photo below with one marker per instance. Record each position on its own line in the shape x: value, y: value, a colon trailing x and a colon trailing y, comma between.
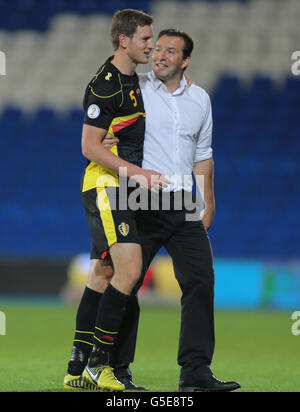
x: 257, y: 349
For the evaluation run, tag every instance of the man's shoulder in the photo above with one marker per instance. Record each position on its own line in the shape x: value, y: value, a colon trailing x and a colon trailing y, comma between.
x: 105, y: 82
x: 199, y: 92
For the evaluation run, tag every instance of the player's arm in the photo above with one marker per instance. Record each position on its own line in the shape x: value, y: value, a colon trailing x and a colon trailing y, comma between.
x: 204, y: 176
x: 95, y: 151
x: 101, y: 101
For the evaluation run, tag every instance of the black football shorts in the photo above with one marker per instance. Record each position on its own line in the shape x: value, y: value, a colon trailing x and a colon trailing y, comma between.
x: 109, y: 221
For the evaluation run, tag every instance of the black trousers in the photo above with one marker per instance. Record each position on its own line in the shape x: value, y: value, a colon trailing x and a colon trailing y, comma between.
x: 188, y: 244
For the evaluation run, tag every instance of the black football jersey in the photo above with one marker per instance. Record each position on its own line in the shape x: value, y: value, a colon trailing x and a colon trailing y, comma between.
x: 113, y: 101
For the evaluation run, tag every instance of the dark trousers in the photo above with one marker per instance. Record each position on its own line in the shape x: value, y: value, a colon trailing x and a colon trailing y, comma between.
x: 188, y: 244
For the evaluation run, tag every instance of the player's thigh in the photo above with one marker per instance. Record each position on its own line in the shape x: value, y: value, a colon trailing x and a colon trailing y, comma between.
x: 127, y: 262
x: 109, y: 223
x: 126, y: 257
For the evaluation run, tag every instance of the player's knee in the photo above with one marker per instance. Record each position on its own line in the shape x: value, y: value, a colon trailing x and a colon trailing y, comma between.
x: 134, y: 276
x: 98, y: 284
x: 133, y: 273
x: 99, y: 277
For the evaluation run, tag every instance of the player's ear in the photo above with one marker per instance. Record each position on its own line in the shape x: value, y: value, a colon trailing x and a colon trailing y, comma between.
x: 123, y: 41
x: 185, y: 62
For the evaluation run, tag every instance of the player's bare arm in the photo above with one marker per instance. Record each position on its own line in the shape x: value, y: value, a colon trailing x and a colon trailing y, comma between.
x: 205, y: 168
x: 95, y: 151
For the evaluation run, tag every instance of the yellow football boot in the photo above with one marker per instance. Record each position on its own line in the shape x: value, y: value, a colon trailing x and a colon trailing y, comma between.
x: 103, y: 378
x: 77, y: 382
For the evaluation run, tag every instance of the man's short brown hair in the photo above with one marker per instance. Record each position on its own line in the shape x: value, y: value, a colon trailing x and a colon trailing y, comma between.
x: 126, y: 22
x: 188, y: 41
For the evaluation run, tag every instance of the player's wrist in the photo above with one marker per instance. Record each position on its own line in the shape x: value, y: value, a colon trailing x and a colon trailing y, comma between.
x: 134, y: 170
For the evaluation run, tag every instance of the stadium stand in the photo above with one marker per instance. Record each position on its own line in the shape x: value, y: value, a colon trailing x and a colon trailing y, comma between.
x: 242, y: 57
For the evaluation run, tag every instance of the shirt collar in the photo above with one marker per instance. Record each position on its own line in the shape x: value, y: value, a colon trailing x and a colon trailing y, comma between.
x: 158, y: 83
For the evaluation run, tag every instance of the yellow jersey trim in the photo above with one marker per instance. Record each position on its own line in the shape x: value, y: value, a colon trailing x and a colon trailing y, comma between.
x: 111, y: 95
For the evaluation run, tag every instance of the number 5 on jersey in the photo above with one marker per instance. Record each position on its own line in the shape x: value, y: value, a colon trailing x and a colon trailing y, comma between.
x: 133, y: 98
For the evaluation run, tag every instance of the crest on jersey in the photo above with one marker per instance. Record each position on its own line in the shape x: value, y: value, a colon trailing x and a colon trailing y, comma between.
x: 123, y: 228
x: 93, y: 111
x: 108, y: 76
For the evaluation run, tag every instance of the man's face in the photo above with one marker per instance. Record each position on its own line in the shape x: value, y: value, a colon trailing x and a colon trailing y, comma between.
x: 139, y: 47
x: 167, y: 58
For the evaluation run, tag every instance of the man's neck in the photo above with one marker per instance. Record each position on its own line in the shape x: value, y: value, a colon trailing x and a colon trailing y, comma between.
x: 173, y: 84
x: 123, y: 63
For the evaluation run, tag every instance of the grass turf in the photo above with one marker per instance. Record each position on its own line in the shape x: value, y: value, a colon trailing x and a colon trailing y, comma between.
x: 255, y: 348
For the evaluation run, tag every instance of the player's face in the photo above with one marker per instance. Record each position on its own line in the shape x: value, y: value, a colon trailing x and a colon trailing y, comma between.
x: 141, y: 45
x: 167, y: 58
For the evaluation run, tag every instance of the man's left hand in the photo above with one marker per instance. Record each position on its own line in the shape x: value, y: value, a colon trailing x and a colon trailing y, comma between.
x: 110, y: 140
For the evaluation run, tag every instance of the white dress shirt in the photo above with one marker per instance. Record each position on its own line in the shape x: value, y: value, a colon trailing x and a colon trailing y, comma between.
x: 178, y: 129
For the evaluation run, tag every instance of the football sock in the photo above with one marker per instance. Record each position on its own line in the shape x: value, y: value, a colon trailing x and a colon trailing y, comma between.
x: 124, y: 350
x: 85, y: 325
x: 111, y: 312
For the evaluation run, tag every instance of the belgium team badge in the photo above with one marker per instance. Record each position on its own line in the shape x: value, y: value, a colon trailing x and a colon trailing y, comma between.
x: 123, y: 229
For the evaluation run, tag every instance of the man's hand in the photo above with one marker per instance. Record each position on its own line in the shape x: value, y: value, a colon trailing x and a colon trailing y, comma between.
x: 204, y: 175
x: 188, y: 80
x: 152, y: 180
x: 207, y: 217
x: 110, y: 140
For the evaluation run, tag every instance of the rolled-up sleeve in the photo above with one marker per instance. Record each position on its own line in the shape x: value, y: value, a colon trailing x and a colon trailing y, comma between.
x: 204, y: 143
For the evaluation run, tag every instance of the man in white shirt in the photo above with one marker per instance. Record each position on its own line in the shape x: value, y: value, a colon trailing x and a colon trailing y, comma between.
x: 177, y: 142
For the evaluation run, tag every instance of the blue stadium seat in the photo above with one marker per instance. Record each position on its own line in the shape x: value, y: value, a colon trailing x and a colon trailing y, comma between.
x: 256, y: 151
x: 36, y: 15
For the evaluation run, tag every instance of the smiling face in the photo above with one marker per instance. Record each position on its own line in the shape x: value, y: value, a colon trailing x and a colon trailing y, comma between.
x: 140, y: 45
x: 167, y: 59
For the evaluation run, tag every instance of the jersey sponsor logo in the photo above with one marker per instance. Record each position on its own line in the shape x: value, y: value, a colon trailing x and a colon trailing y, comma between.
x: 108, y: 76
x: 93, y: 111
x: 123, y: 228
